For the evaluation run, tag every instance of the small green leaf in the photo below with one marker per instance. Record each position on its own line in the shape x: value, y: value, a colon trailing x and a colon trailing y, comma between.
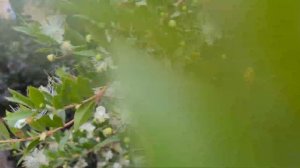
x: 19, y: 98
x: 83, y: 114
x: 38, y: 126
x: 26, y: 30
x: 36, y: 96
x: 48, y: 122
x: 64, y: 140
x: 31, y: 146
x: 106, y: 142
x: 57, y: 102
x: 21, y: 113
x: 89, y: 53
x: 48, y: 97
x: 4, y: 134
x: 45, y: 122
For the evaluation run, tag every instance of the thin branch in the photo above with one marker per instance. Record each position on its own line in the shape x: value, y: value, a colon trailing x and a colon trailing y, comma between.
x: 48, y: 133
x: 97, y: 97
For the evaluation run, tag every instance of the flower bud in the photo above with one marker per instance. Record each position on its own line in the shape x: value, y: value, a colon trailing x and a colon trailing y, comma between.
x: 41, y: 105
x: 51, y: 57
x: 172, y: 23
x: 43, y: 136
x: 88, y: 38
x: 98, y: 57
x: 107, y: 131
x: 126, y: 140
x: 66, y: 48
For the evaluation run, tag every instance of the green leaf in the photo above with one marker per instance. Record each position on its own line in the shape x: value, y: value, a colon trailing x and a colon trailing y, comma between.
x: 61, y: 73
x: 48, y: 97
x: 83, y: 87
x: 21, y: 113
x: 90, y: 53
x: 64, y: 140
x: 83, y: 114
x: 26, y: 30
x: 4, y: 134
x: 5, y: 146
x: 31, y: 146
x: 38, y: 126
x: 57, y: 102
x: 36, y: 96
x: 106, y: 142
x: 45, y: 122
x: 19, y: 98
x: 34, y: 31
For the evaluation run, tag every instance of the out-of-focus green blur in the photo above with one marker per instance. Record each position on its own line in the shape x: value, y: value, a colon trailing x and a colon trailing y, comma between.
x: 236, y: 107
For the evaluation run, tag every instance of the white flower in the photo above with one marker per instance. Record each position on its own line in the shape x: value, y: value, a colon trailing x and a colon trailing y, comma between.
x: 101, y: 164
x: 105, y: 64
x: 141, y: 3
x: 89, y: 128
x: 210, y: 33
x: 54, y: 27
x: 117, y: 165
x: 81, y: 163
x: 66, y: 48
x: 20, y: 123
x: 107, y: 155
x: 113, y: 90
x: 125, y: 162
x: 36, y: 159
x: 100, y: 114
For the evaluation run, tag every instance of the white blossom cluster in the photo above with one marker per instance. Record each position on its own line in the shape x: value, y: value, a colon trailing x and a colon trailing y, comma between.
x: 36, y: 159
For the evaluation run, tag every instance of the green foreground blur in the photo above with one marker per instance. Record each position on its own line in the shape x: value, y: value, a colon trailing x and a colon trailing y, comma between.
x: 239, y: 106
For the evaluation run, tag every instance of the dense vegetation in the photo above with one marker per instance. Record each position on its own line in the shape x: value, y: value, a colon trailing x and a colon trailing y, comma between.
x: 131, y: 83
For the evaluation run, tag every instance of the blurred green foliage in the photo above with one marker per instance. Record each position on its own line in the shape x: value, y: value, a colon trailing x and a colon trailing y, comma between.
x: 206, y: 83
x: 236, y: 107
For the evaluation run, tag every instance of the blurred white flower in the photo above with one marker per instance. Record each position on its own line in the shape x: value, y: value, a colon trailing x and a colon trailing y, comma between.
x: 100, y: 114
x: 105, y: 64
x: 141, y: 3
x: 81, y: 163
x: 117, y: 165
x: 36, y: 159
x: 101, y: 164
x: 66, y: 48
x: 107, y: 155
x: 53, y: 26
x: 108, y: 36
x: 20, y: 123
x: 125, y: 162
x: 113, y: 90
x: 210, y: 32
x: 89, y: 128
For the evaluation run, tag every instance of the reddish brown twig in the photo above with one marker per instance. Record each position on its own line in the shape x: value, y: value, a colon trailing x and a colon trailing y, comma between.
x: 97, y: 97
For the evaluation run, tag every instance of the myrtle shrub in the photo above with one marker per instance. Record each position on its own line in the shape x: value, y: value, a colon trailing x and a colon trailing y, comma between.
x: 74, y: 120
